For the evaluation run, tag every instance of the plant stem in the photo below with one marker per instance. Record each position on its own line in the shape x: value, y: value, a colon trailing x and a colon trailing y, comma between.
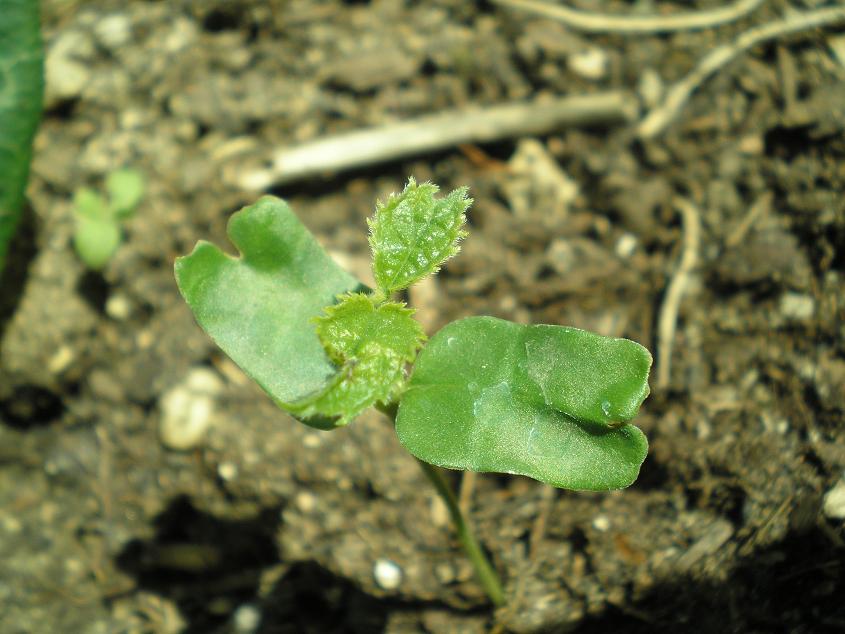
x: 483, y: 568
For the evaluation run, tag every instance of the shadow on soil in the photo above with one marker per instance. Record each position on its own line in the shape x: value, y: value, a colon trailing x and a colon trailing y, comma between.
x: 794, y: 586
x: 210, y: 566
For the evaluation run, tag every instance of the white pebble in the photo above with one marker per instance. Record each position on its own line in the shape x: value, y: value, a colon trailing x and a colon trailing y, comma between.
x: 61, y: 360
x: 118, y: 307
x: 388, y: 575
x: 305, y: 501
x: 834, y: 501
x: 601, y: 523
x: 187, y: 410
x: 227, y: 471
x: 113, y: 31
x: 797, y: 306
x: 246, y: 619
x: 626, y: 245
x: 650, y: 87
x: 589, y: 64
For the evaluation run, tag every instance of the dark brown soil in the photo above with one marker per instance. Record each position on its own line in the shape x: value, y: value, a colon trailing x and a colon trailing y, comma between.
x: 265, y: 525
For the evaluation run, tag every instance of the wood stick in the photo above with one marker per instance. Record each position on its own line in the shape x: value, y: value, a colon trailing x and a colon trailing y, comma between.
x: 659, y: 118
x: 635, y: 24
x: 437, y: 132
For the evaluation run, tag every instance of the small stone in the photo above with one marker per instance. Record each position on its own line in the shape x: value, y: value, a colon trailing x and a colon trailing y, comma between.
x: 227, y: 471
x: 444, y: 572
x: 187, y: 410
x: 246, y: 619
x: 305, y: 501
x: 834, y: 501
x: 796, y: 306
x: 650, y: 87
x: 601, y: 523
x: 311, y: 441
x: 66, y: 69
x: 61, y: 360
x: 591, y: 63
x: 113, y: 31
x: 626, y: 245
x: 387, y: 574
x: 752, y: 144
x: 118, y: 307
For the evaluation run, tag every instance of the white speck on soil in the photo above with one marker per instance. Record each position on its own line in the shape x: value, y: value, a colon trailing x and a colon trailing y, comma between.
x: 387, y: 574
x: 834, y: 501
x: 187, y: 410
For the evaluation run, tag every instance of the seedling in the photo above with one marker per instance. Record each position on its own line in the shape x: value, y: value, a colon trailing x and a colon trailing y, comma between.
x: 98, y: 220
x: 484, y: 394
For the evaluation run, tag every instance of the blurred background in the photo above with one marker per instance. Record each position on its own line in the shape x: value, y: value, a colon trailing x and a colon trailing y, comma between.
x: 627, y: 180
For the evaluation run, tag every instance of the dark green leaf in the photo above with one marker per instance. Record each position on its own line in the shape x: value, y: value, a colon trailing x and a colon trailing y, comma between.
x: 258, y: 308
x: 21, y: 88
x: 543, y: 401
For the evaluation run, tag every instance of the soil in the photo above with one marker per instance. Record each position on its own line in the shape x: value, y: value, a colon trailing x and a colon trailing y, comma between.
x: 264, y: 525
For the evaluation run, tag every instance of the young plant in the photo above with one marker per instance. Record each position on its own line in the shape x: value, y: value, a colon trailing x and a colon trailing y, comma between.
x: 484, y: 394
x: 98, y: 220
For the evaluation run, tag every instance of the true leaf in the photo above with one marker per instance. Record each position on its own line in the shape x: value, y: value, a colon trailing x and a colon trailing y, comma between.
x: 413, y: 233
x: 356, y: 320
x: 258, y: 308
x: 372, y: 343
x: 543, y: 401
x: 21, y: 88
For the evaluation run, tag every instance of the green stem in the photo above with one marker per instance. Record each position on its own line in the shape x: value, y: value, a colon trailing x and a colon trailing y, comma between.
x: 483, y: 568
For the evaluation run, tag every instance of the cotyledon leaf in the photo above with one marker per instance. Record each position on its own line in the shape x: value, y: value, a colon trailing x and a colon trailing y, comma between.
x: 258, y: 308
x: 21, y: 89
x: 548, y: 402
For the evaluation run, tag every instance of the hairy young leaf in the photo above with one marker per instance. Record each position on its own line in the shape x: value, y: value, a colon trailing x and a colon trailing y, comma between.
x: 547, y: 402
x: 372, y: 343
x: 258, y: 308
x: 413, y: 233
x: 21, y: 88
x: 356, y: 320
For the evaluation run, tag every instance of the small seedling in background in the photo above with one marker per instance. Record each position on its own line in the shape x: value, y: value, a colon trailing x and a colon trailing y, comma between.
x: 484, y: 394
x: 98, y: 231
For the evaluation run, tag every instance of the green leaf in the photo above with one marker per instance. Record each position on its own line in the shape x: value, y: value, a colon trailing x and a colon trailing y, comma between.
x: 96, y: 240
x: 413, y: 233
x: 258, y: 308
x: 356, y: 319
x: 372, y: 343
x: 125, y: 187
x: 547, y: 402
x: 21, y: 89
x: 89, y: 204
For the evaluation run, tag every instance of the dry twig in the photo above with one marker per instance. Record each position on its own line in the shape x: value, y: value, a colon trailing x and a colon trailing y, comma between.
x: 668, y: 319
x: 635, y: 24
x: 759, y: 209
x: 656, y: 121
x: 437, y: 132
